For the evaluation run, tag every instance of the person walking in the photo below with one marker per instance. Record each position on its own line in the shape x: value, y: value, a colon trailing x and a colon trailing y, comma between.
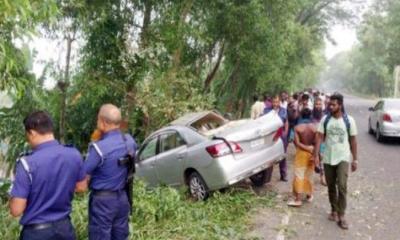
x: 45, y: 181
x: 108, y: 201
x: 339, y: 131
x: 293, y: 117
x: 317, y: 114
x: 257, y: 108
x: 282, y: 113
x: 284, y: 99
x: 304, y: 141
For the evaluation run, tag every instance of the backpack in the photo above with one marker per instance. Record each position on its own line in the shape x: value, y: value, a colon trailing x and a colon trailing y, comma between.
x: 346, y: 122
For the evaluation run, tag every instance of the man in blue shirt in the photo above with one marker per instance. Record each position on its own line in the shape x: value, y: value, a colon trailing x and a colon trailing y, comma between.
x: 45, y: 181
x: 108, y: 205
x: 282, y: 113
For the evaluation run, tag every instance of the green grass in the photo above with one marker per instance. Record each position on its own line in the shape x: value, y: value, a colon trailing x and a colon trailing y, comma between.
x: 167, y: 213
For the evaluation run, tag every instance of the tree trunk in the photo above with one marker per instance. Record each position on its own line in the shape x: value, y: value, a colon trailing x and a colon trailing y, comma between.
x: 144, y: 36
x: 176, y: 57
x: 233, y: 81
x: 212, y: 74
x: 63, y: 85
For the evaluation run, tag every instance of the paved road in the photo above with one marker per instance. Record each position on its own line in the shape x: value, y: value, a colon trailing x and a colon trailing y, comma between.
x: 373, y: 198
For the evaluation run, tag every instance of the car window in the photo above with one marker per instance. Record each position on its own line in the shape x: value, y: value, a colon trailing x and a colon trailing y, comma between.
x: 379, y: 106
x: 149, y: 150
x: 170, y: 141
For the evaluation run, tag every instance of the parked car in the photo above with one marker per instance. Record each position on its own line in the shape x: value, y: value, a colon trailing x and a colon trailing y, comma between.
x: 384, y: 120
x: 207, y: 152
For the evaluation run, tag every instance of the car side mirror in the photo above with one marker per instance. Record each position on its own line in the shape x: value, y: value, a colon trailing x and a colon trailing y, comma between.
x: 371, y: 109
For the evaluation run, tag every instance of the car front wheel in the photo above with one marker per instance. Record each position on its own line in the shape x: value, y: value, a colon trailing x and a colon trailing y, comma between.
x: 197, y: 187
x: 262, y: 177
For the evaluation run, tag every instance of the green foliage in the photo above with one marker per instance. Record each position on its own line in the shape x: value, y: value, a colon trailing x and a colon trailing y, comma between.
x: 160, y: 59
x: 368, y: 67
x: 166, y: 213
x: 18, y: 19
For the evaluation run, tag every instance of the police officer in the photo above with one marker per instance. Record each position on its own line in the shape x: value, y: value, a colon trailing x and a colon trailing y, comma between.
x: 45, y: 181
x: 108, y: 204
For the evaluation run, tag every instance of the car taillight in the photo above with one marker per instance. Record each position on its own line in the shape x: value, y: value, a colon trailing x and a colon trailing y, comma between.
x: 221, y: 149
x: 387, y: 118
x: 278, y: 134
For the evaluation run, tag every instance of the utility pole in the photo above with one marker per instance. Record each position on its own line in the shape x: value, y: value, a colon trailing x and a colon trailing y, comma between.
x: 396, y: 81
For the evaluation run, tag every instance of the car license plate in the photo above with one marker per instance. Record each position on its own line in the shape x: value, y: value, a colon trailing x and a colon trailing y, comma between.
x: 257, y: 143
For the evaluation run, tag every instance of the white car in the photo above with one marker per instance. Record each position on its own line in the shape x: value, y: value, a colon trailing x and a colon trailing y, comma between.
x: 206, y: 152
x: 384, y: 120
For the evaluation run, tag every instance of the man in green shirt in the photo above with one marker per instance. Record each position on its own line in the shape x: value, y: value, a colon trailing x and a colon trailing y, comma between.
x: 339, y: 131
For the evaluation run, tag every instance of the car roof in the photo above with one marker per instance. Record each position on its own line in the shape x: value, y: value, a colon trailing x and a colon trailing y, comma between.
x: 391, y: 99
x: 168, y: 128
x: 189, y: 118
x: 189, y: 135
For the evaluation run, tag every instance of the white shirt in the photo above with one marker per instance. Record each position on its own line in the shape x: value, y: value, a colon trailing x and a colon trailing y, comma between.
x: 257, y: 109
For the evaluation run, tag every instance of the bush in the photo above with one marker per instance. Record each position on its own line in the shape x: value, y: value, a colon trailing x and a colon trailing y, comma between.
x: 167, y: 213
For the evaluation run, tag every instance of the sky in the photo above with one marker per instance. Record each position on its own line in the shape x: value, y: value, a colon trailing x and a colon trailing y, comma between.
x: 344, y: 37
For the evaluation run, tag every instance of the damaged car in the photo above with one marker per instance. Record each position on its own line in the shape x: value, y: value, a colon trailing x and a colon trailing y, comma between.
x: 207, y: 152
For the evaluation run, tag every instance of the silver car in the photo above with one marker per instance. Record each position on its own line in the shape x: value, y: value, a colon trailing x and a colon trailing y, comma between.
x: 384, y: 120
x: 206, y: 152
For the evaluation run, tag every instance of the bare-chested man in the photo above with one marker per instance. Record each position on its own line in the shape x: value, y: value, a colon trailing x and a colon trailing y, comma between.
x: 304, y: 140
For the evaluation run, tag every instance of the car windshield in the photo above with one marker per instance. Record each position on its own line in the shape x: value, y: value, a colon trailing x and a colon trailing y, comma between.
x: 393, y: 104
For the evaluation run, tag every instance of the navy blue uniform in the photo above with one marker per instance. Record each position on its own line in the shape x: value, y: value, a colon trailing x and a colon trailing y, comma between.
x: 47, y: 179
x: 108, y: 204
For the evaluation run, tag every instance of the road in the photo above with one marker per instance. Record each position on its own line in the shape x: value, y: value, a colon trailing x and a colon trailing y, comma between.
x: 373, y: 195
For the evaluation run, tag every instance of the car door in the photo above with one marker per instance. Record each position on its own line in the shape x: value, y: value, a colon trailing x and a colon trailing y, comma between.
x: 146, y: 164
x: 173, y: 151
x: 377, y: 114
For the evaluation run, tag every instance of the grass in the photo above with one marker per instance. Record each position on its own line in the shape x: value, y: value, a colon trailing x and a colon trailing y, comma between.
x: 167, y: 213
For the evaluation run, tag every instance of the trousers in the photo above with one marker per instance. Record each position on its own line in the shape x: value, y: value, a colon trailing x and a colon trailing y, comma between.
x: 336, y: 179
x: 59, y: 230
x: 109, y: 216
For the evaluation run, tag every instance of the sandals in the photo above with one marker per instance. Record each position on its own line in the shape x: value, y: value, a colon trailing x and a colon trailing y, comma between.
x: 333, y: 217
x: 343, y: 224
x: 294, y: 203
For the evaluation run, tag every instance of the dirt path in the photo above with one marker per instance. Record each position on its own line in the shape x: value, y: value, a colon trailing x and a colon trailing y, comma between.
x: 373, y: 196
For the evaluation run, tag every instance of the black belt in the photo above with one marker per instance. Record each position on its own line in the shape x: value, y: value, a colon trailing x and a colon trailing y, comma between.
x: 107, y: 192
x: 40, y: 226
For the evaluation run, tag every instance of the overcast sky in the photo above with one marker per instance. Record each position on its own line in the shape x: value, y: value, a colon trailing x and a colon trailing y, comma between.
x: 345, y: 38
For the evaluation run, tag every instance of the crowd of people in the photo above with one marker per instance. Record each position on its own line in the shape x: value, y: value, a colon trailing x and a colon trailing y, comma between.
x: 324, y: 136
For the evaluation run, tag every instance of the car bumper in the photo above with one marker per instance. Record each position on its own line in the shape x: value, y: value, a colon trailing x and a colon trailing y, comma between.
x: 231, y: 169
x: 390, y: 129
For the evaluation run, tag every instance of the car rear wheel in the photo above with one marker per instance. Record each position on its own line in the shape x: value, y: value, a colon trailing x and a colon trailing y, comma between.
x: 378, y: 134
x: 197, y: 187
x: 370, y: 130
x: 262, y: 177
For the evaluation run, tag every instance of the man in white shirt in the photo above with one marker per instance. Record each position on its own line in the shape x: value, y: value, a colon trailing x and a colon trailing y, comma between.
x: 257, y: 109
